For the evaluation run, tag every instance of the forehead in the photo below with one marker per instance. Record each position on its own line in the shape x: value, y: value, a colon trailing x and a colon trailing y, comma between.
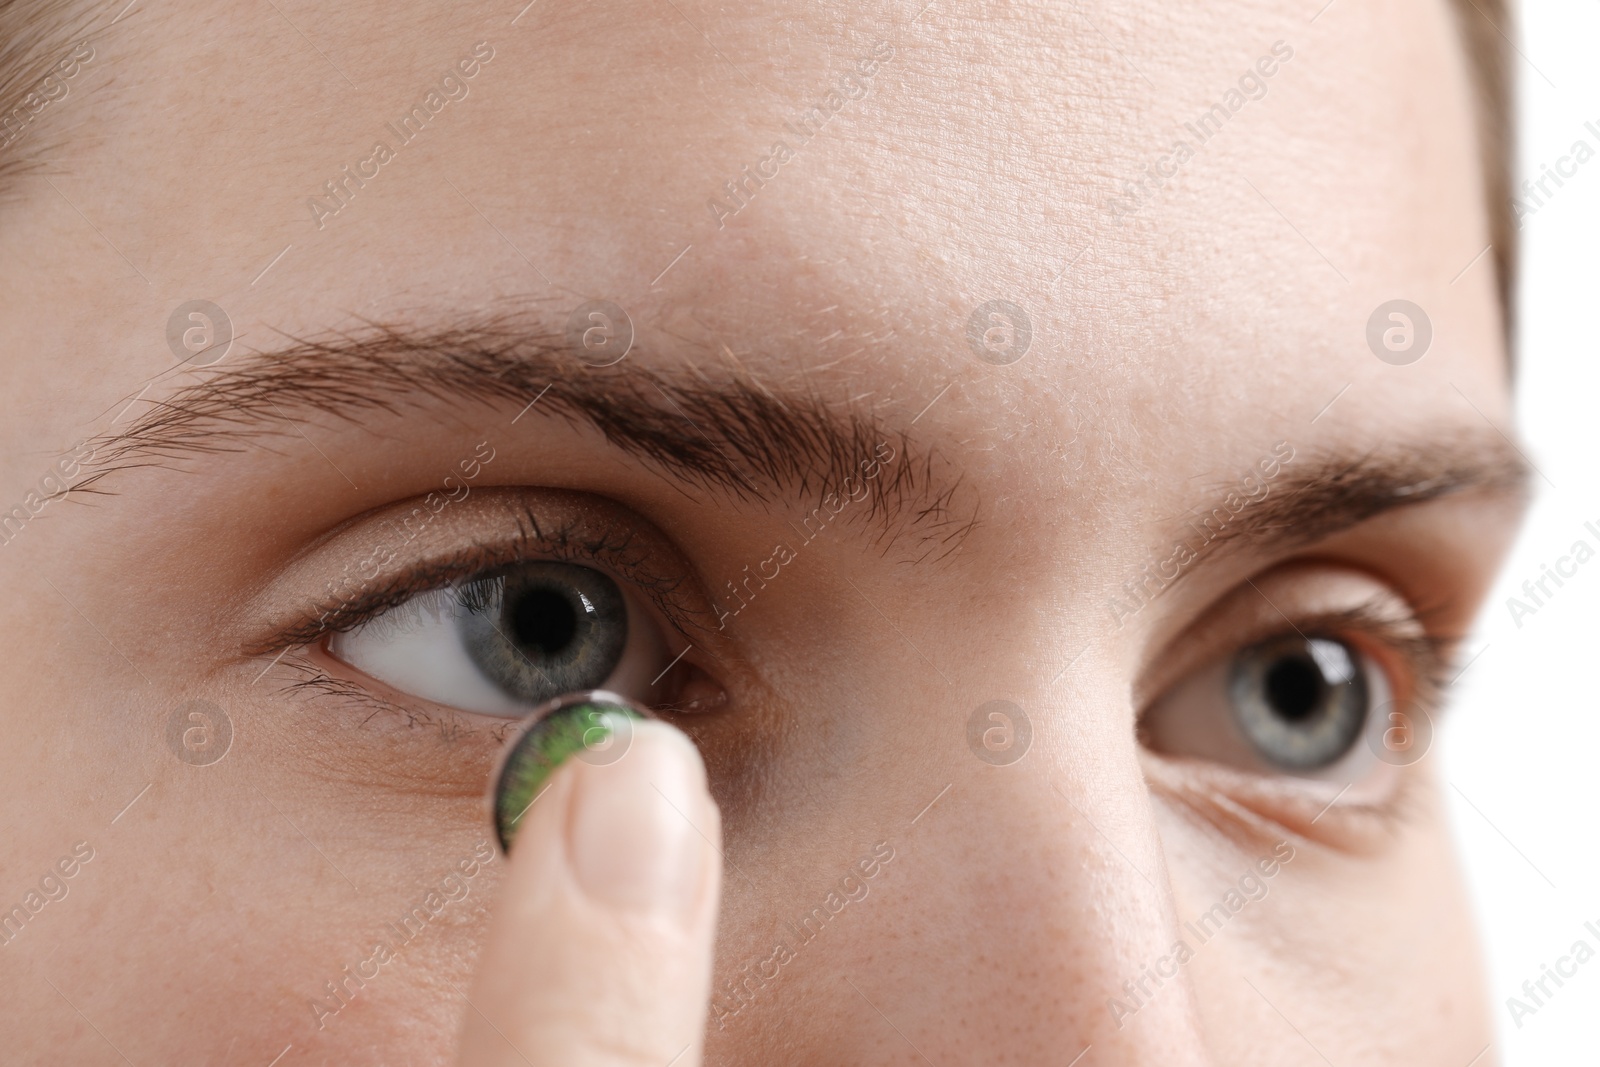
x: 817, y: 193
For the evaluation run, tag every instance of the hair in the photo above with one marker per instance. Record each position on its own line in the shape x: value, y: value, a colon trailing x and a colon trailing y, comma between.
x: 36, y: 34
x: 1488, y: 48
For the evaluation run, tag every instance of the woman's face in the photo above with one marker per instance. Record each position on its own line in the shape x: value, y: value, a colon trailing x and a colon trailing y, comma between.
x: 1046, y: 533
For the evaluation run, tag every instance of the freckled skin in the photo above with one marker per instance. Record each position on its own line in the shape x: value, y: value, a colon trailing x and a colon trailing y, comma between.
x: 1171, y: 349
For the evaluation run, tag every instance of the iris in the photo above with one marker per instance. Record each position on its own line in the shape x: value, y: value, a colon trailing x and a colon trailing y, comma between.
x: 541, y: 629
x: 1301, y: 702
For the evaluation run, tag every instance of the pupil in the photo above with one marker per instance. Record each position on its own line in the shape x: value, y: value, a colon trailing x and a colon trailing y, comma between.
x: 544, y: 620
x: 1294, y: 688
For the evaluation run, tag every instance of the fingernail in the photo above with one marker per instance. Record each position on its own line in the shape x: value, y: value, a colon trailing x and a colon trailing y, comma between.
x: 632, y: 843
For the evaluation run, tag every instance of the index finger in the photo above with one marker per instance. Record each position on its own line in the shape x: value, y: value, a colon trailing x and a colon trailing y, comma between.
x: 599, y: 953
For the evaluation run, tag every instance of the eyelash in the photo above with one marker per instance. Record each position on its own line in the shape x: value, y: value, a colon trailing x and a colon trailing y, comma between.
x: 1428, y: 655
x: 572, y: 541
x: 569, y: 542
x: 1427, y: 658
x: 1420, y: 659
x: 450, y: 723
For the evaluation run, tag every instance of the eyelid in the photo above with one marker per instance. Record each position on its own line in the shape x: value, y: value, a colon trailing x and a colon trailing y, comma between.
x: 1329, y: 595
x: 1415, y: 663
x: 1315, y: 598
x: 527, y: 524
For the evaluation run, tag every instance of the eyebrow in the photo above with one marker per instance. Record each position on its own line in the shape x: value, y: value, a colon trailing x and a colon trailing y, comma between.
x: 732, y: 437
x: 738, y: 438
x: 1335, y: 492
x: 33, y: 38
x: 1310, y: 498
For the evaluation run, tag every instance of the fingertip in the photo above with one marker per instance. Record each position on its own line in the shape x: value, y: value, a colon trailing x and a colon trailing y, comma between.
x: 632, y: 832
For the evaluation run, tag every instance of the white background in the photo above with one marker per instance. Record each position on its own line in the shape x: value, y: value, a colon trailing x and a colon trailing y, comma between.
x: 1522, y: 751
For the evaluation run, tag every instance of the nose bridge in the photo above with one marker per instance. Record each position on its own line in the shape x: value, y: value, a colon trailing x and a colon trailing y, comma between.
x: 1047, y: 894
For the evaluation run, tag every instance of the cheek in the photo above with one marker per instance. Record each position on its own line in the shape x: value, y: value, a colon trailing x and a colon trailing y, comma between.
x: 1359, y: 908
x: 248, y: 865
x: 179, y: 881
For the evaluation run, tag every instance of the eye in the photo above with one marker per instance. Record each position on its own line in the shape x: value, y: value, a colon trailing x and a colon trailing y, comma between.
x: 1292, y: 703
x: 1301, y: 701
x: 510, y: 639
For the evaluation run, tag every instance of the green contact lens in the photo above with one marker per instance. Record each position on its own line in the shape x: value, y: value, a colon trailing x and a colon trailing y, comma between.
x: 594, y: 726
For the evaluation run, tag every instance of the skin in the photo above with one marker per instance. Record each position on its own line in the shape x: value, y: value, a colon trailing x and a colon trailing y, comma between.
x: 1171, y: 351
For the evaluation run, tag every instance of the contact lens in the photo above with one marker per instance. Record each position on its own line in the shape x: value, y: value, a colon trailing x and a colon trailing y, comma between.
x: 594, y: 726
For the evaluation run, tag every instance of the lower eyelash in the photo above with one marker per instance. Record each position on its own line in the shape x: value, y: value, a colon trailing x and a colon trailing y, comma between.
x: 1245, y: 816
x: 451, y: 725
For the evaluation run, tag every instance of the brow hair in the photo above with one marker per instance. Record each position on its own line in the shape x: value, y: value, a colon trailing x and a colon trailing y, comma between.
x: 34, y: 36
x: 1335, y: 492
x: 1329, y: 493
x: 732, y: 437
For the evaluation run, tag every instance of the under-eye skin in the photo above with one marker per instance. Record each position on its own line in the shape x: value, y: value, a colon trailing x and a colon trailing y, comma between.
x: 594, y: 726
